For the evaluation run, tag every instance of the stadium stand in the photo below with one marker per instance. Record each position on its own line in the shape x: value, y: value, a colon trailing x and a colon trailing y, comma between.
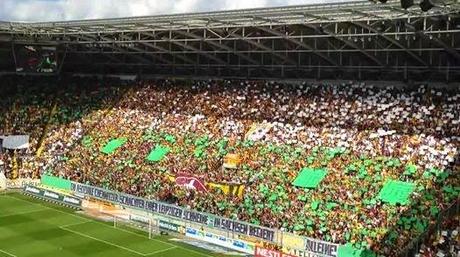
x: 360, y: 134
x: 373, y: 164
x: 444, y: 243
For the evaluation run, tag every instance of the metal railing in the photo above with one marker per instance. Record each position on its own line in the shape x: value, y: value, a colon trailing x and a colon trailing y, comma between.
x: 223, y: 227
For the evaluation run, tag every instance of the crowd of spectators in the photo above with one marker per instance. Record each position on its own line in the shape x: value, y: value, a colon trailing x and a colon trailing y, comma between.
x: 444, y: 243
x: 44, y: 109
x: 362, y: 135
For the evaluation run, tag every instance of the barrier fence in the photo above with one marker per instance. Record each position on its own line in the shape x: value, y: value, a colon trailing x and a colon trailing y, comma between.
x: 53, y: 196
x: 21, y: 183
x: 212, y: 228
x: 232, y: 234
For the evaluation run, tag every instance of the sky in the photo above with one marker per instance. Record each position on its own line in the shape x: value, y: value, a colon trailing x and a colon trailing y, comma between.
x: 54, y: 10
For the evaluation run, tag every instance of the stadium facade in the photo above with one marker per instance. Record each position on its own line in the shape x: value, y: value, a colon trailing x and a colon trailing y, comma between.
x: 354, y: 40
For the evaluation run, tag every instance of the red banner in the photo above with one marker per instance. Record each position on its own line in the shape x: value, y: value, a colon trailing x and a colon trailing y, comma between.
x: 189, y: 181
x: 262, y: 252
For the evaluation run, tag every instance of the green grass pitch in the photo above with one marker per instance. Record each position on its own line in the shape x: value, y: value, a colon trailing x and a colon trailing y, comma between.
x: 33, y: 228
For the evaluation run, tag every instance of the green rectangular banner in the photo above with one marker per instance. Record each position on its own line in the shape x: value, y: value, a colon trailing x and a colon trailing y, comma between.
x: 395, y: 191
x: 56, y: 182
x: 113, y: 145
x: 310, y: 177
x: 158, y: 153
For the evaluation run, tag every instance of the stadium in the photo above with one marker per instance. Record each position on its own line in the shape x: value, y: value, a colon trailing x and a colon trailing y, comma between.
x: 316, y: 130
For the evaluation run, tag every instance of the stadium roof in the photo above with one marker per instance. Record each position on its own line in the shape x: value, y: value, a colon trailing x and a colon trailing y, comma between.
x: 316, y: 13
x: 351, y: 40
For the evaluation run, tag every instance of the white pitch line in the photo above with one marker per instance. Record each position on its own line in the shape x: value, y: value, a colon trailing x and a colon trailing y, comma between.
x: 148, y: 254
x: 183, y: 248
x: 103, y: 241
x: 139, y: 235
x: 75, y: 224
x: 7, y: 253
x: 92, y: 220
x: 160, y: 251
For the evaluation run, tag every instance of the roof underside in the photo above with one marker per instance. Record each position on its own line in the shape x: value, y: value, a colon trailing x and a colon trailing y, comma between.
x: 355, y: 40
x: 309, y: 14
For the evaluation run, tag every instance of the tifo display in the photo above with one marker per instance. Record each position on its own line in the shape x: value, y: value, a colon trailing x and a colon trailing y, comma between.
x: 364, y: 167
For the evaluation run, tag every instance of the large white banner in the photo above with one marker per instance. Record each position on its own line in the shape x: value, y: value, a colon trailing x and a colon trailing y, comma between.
x: 15, y: 142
